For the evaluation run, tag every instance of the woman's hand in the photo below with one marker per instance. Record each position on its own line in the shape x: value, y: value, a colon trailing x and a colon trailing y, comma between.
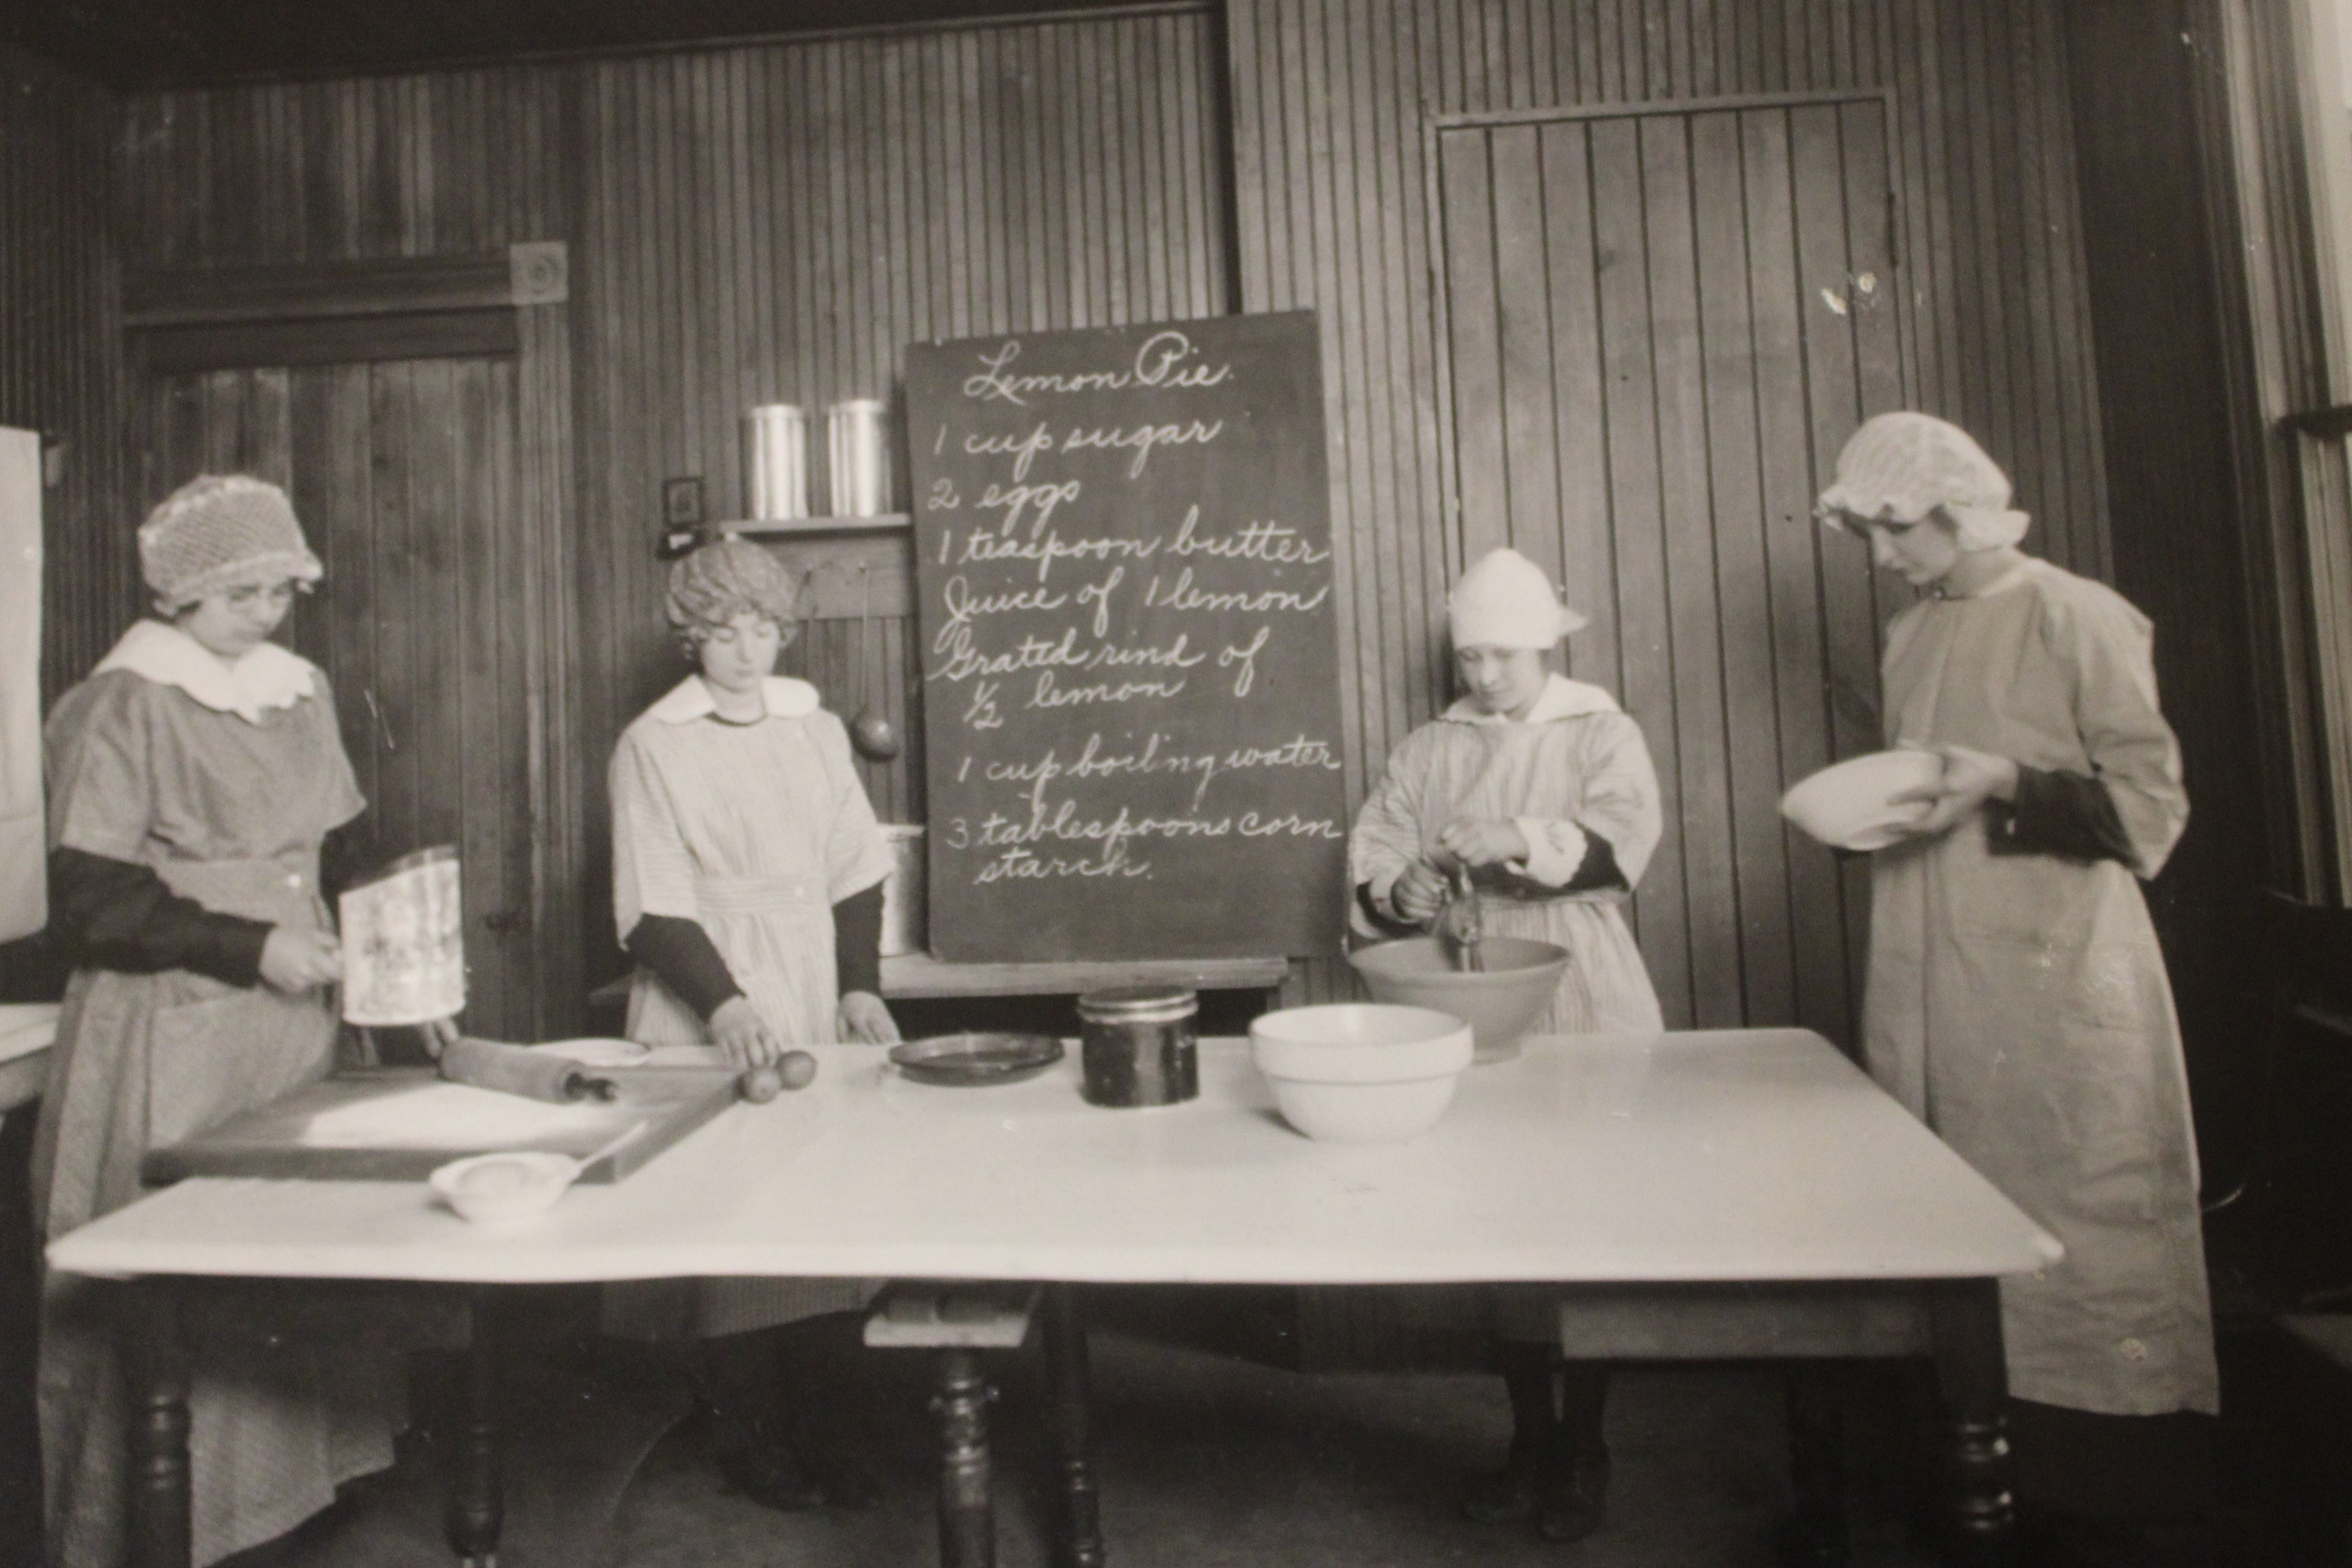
x: 743, y: 1034
x: 295, y: 961
x: 1970, y: 777
x: 1419, y: 893
x: 863, y: 1019
x: 1475, y: 842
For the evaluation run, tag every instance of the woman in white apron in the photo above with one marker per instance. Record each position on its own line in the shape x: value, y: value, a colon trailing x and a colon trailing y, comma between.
x: 192, y: 779
x: 747, y: 884
x: 2017, y: 1000
x: 1542, y: 787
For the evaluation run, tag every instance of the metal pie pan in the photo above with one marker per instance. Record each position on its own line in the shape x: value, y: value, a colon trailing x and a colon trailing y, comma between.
x: 976, y: 1058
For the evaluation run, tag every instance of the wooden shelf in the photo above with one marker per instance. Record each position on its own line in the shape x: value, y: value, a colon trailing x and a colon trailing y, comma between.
x: 847, y: 565
x: 677, y: 542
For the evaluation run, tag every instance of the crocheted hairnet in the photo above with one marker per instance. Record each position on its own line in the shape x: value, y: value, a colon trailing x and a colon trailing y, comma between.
x: 728, y: 578
x: 223, y: 531
x: 1506, y: 602
x: 1898, y: 467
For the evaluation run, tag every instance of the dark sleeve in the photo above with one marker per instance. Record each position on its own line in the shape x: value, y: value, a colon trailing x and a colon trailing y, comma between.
x: 117, y: 914
x: 1597, y: 869
x: 347, y: 854
x: 2069, y: 815
x: 857, y: 942
x: 680, y: 953
x: 1384, y: 923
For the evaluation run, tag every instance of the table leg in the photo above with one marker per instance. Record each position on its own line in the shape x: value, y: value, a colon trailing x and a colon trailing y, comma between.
x: 1973, y: 1374
x: 967, y: 1517
x: 155, y: 1362
x: 1816, y: 1536
x: 475, y: 1504
x: 1066, y: 1367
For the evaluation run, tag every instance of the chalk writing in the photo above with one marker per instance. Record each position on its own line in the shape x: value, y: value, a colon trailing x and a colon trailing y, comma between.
x: 1128, y: 649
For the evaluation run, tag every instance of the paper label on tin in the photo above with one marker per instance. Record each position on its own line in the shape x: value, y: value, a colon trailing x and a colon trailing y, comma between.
x: 404, y: 948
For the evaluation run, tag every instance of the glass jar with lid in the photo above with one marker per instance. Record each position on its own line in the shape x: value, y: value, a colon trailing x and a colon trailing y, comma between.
x: 1137, y: 1047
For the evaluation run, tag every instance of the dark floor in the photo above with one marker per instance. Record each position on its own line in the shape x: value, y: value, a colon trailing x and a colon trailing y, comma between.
x: 1207, y: 1461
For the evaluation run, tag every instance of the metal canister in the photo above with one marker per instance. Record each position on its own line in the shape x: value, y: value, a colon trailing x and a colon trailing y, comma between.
x: 857, y: 457
x: 1136, y: 1045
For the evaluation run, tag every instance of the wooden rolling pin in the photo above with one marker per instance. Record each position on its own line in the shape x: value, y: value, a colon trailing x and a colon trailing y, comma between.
x: 517, y: 1070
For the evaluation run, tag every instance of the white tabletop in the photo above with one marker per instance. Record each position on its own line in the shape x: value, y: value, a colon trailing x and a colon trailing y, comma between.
x: 1758, y: 1154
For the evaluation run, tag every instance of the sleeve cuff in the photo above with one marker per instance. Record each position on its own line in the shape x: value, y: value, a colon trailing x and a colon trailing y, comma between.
x: 1556, y: 851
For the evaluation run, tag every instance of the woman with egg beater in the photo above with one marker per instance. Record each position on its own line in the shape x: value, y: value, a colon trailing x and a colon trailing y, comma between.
x: 747, y: 884
x: 1540, y: 789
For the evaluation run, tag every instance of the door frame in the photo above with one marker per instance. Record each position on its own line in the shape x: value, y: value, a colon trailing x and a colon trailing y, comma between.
x: 1434, y: 126
x: 510, y: 302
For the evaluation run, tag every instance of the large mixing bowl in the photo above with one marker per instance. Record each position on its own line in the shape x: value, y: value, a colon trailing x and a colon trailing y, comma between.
x: 1500, y: 1003
x: 1361, y: 1072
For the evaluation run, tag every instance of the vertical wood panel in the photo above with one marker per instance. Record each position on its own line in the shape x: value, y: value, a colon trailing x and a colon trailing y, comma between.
x: 60, y: 365
x: 1327, y: 157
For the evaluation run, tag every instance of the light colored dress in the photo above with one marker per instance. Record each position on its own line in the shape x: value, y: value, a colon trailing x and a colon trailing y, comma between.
x: 149, y: 761
x: 1576, y: 764
x: 2018, y: 1003
x: 754, y: 832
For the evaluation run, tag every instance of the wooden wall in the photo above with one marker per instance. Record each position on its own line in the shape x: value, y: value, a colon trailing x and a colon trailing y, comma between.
x: 755, y: 224
x: 1328, y: 103
x: 60, y: 369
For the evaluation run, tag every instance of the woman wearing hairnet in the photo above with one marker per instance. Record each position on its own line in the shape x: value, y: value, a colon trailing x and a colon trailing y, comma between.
x: 747, y: 884
x: 2017, y: 1000
x: 192, y: 779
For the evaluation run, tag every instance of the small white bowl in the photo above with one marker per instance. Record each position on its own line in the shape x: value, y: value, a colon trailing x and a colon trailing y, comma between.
x: 504, y: 1190
x: 1360, y: 1073
x: 1849, y: 805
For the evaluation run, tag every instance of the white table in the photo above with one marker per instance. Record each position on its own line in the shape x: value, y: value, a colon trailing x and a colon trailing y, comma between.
x: 1705, y: 1194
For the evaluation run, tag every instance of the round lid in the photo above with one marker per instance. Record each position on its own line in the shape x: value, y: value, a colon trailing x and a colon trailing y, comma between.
x: 1138, y: 1002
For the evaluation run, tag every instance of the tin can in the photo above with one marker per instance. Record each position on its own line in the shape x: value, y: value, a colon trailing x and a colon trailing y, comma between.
x: 1136, y: 1045
x: 856, y: 455
x: 775, y: 454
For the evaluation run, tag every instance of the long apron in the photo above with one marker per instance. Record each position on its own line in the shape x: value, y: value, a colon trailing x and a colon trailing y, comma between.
x: 2018, y: 1004
x: 776, y: 935
x: 1579, y: 760
x: 281, y: 1411
x: 753, y: 832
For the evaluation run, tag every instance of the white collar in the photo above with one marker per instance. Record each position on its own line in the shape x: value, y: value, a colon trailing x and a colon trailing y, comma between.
x: 1560, y: 698
x: 269, y: 677
x: 691, y: 699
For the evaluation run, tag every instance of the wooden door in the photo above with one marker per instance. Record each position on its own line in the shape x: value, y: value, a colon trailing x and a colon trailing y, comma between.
x: 404, y: 474
x: 1662, y: 324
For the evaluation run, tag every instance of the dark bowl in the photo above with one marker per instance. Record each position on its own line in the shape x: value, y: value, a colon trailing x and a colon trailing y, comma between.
x: 976, y: 1059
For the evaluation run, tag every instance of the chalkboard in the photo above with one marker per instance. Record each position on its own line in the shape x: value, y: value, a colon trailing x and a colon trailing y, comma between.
x: 1130, y: 664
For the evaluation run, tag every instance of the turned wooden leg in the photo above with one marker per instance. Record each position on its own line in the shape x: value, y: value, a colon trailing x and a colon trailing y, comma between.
x: 1065, y: 1365
x: 1972, y: 1374
x: 475, y: 1503
x: 1816, y: 1536
x: 967, y: 1518
x: 155, y: 1362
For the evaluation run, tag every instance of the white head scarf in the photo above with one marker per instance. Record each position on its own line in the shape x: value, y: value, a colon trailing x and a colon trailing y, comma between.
x: 1898, y: 467
x: 1506, y: 602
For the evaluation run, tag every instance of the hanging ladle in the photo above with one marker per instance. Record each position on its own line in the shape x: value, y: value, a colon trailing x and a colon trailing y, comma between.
x: 876, y: 737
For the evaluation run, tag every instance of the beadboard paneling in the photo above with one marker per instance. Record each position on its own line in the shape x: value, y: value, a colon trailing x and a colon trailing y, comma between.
x: 759, y: 224
x: 1330, y: 99
x: 60, y: 365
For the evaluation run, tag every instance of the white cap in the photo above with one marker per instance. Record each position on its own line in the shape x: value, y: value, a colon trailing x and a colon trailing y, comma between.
x: 1900, y: 466
x: 1506, y: 602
